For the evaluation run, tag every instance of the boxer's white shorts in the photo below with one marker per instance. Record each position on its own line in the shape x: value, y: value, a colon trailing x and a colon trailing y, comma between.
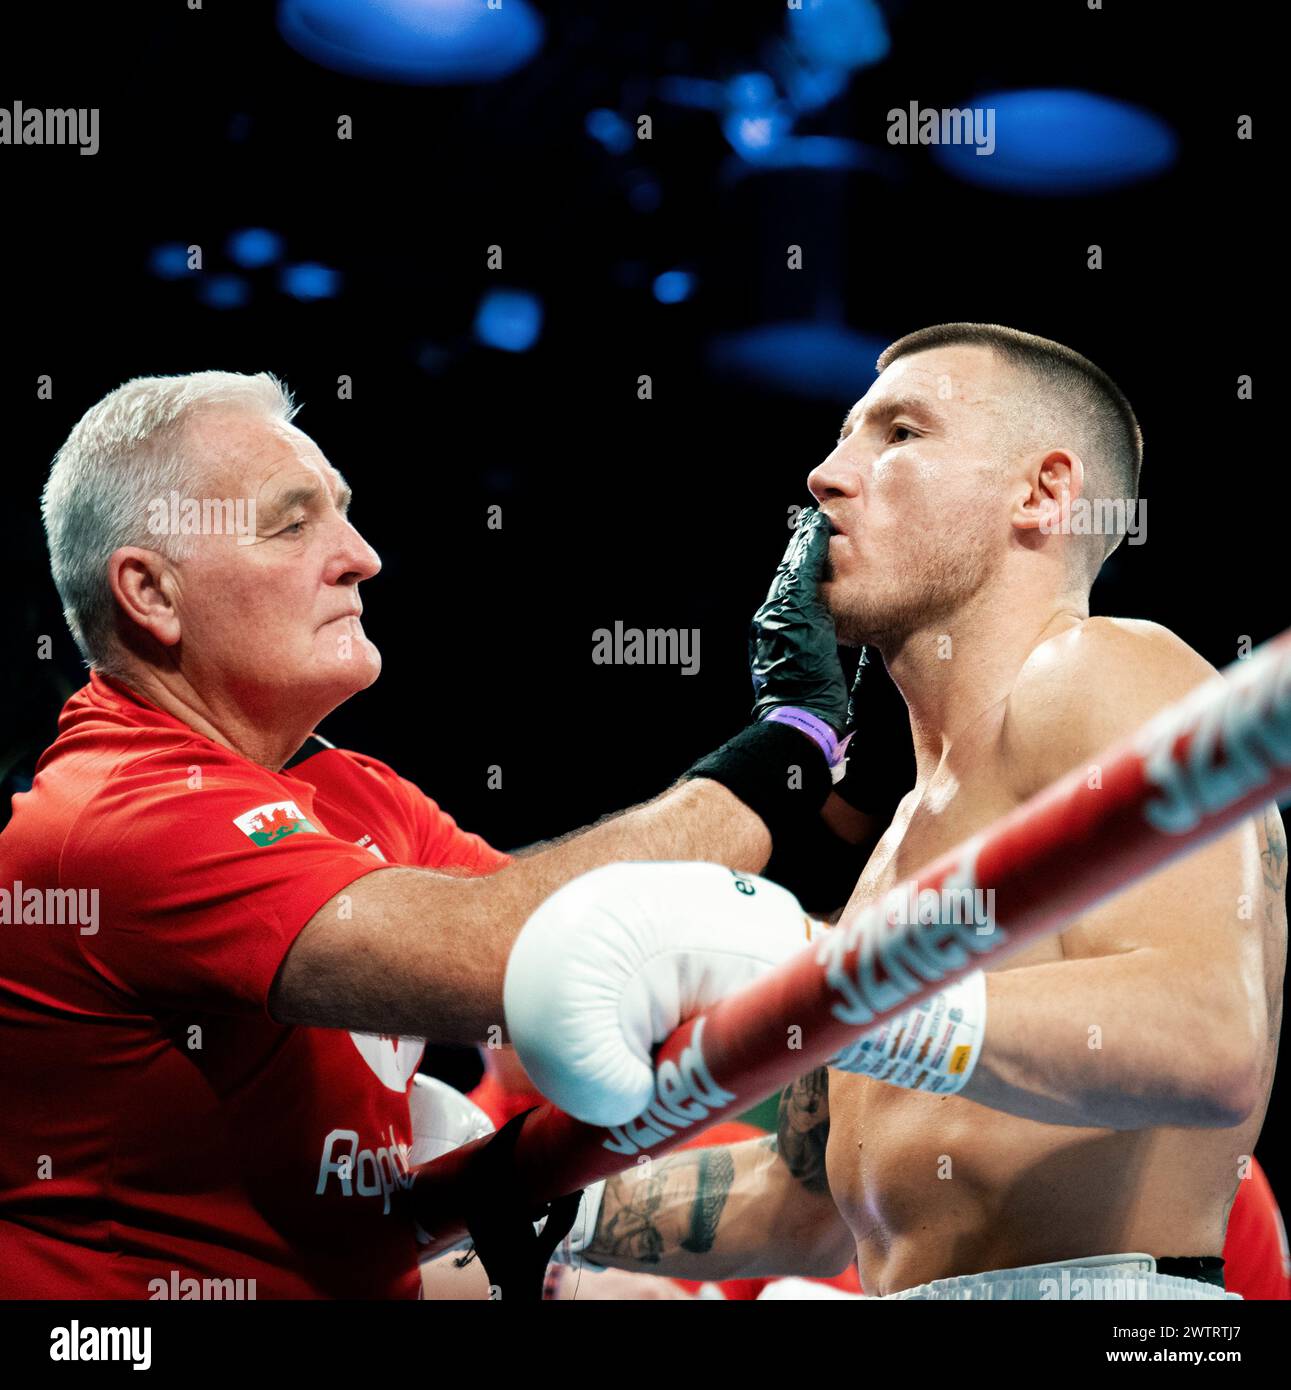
x: 1097, y: 1277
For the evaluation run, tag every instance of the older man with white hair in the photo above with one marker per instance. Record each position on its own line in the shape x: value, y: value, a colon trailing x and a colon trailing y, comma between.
x: 209, y: 1080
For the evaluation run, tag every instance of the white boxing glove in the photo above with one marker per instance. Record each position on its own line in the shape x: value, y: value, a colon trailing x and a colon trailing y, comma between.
x: 615, y: 960
x: 442, y: 1119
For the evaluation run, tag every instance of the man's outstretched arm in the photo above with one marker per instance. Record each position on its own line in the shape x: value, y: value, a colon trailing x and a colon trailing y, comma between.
x: 423, y: 954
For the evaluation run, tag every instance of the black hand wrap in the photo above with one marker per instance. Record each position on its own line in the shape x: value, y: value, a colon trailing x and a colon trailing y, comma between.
x: 775, y: 771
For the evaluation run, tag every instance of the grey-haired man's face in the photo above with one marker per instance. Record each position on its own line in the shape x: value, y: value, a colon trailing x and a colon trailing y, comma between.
x: 275, y: 611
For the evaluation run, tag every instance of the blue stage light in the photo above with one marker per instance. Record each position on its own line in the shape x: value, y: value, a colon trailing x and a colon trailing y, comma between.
x: 223, y: 291
x: 169, y: 262
x: 750, y: 91
x: 812, y: 152
x: 756, y: 121
x: 1052, y: 141
x: 809, y: 88
x: 824, y: 360
x: 839, y: 33
x: 609, y: 129
x: 254, y: 247
x: 756, y: 135
x: 309, y: 280
x: 674, y: 286
x: 509, y: 319
x: 415, y: 41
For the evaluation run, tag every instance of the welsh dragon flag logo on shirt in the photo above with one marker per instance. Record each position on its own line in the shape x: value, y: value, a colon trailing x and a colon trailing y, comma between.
x: 274, y: 821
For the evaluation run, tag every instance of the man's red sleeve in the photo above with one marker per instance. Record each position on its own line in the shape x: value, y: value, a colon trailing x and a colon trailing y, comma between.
x: 202, y: 888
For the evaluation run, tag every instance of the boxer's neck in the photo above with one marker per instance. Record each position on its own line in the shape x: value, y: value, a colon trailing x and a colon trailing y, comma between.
x: 954, y: 670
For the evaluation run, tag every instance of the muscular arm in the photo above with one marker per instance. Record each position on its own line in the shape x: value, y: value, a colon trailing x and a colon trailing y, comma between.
x: 1167, y: 1021
x: 747, y: 1210
x: 1162, y: 1009
x: 423, y: 954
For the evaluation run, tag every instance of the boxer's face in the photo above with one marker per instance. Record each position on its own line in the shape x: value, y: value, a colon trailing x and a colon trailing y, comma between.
x: 273, y: 617
x: 917, y: 488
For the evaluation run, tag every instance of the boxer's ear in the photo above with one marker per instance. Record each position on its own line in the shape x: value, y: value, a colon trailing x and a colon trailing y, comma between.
x: 1054, y: 481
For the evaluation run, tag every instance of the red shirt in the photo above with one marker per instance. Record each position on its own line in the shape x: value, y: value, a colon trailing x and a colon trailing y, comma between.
x: 156, y: 1119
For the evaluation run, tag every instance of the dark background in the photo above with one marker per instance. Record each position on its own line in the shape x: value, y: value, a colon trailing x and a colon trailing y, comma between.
x: 662, y: 513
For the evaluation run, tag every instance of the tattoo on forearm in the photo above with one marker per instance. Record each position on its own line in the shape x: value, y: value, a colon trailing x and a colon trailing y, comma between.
x: 716, y: 1174
x: 804, y: 1129
x: 628, y: 1225
x: 1273, y: 854
x: 1272, y: 842
x: 677, y: 1206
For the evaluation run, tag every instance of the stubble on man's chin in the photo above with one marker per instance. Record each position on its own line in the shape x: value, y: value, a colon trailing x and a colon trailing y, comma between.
x: 930, y: 594
x: 851, y: 626
x: 859, y: 622
x: 854, y: 631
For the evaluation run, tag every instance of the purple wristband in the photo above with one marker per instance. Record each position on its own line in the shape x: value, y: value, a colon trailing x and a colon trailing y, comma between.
x: 820, y: 733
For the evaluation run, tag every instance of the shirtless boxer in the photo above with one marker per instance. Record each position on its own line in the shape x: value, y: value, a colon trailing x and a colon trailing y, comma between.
x: 1127, y: 1062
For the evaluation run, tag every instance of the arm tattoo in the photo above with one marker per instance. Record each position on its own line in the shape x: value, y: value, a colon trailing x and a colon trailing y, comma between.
x: 630, y: 1212
x: 644, y: 1216
x: 716, y: 1174
x: 804, y: 1129
x: 1272, y: 842
x: 1273, y: 854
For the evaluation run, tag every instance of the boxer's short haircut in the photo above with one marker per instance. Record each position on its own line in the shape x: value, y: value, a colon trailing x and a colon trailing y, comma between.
x: 1072, y: 383
x: 124, y: 453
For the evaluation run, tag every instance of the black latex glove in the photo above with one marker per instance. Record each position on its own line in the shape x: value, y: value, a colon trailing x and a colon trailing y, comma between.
x: 793, y: 649
x: 880, y: 764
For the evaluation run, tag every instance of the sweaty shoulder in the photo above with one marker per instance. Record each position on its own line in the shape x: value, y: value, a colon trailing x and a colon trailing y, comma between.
x: 1089, y: 687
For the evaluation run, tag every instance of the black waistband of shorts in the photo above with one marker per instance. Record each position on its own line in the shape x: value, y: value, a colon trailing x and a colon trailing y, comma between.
x: 1209, y: 1269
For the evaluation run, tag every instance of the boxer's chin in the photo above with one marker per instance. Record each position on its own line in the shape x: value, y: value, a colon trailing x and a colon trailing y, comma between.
x: 851, y: 623
x: 844, y: 626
